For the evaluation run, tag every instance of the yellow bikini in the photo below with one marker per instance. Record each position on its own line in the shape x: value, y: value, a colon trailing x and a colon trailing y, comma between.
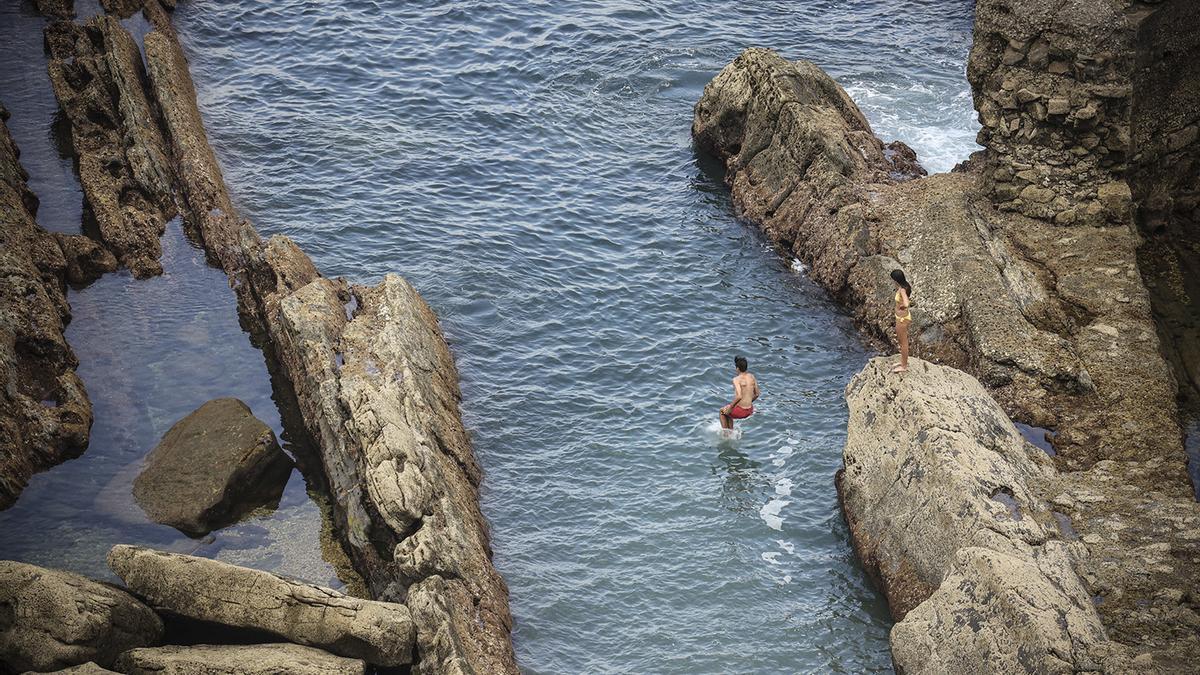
x: 907, y: 312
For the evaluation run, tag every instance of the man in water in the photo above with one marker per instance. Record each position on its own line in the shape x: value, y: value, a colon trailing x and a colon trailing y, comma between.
x: 745, y: 391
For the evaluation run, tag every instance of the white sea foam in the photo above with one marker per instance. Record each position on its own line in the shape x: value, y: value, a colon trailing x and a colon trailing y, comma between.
x: 771, y: 557
x: 770, y: 513
x: 783, y: 487
x: 799, y: 267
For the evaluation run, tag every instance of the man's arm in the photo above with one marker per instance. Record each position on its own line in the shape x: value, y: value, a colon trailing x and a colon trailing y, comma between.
x: 757, y: 393
x: 737, y: 396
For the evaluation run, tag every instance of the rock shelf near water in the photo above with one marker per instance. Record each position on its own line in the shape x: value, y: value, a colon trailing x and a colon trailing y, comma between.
x: 1030, y: 274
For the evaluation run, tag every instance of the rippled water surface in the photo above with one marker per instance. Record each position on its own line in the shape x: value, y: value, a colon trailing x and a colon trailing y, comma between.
x: 529, y: 168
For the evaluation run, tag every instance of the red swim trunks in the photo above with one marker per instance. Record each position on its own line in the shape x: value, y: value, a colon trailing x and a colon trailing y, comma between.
x: 738, y: 412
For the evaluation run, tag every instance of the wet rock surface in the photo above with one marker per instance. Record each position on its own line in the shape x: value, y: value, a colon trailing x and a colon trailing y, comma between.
x: 263, y: 659
x: 211, y: 469
x: 45, y: 414
x: 51, y: 620
x: 380, y: 633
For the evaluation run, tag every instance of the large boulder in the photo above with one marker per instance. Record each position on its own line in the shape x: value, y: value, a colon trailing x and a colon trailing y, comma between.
x: 51, y: 620
x: 941, y: 493
x: 262, y: 659
x: 211, y: 468
x: 380, y: 633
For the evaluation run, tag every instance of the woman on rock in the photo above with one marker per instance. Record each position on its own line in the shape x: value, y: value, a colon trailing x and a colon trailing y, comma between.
x: 903, y: 317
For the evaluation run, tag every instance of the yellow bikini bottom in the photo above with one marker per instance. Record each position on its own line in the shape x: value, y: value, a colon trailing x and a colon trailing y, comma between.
x: 907, y: 317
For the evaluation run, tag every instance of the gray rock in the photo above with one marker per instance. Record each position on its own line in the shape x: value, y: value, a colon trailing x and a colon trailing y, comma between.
x: 379, y: 391
x: 211, y: 468
x: 263, y: 659
x: 51, y: 620
x: 85, y: 669
x: 380, y: 633
x: 941, y: 493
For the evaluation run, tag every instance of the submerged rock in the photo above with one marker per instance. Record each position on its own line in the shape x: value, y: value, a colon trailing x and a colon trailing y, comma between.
x: 264, y: 659
x: 51, y: 620
x: 45, y: 414
x: 211, y: 468
x: 379, y: 633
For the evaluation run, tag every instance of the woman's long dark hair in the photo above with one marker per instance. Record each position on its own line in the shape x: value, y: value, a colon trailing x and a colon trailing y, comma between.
x: 898, y: 277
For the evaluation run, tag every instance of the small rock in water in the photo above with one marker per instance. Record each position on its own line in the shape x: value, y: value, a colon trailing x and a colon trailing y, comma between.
x: 211, y: 469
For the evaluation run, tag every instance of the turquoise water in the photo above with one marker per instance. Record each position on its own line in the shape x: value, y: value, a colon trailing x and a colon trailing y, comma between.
x: 529, y: 168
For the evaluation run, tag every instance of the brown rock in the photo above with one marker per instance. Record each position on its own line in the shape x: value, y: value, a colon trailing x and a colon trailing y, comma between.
x: 211, y: 469
x: 264, y: 659
x: 51, y: 619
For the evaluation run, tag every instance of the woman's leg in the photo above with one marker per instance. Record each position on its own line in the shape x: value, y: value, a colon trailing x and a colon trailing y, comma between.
x: 902, y: 338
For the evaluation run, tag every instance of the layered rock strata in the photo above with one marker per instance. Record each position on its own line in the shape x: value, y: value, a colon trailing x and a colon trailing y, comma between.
x: 45, y: 414
x: 378, y: 389
x: 211, y: 468
x: 380, y: 633
x: 51, y: 620
x: 1050, y: 311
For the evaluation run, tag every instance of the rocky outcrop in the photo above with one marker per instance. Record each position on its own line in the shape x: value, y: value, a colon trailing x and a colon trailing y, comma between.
x: 45, y: 414
x: 1056, y: 322
x: 380, y: 633
x: 51, y: 620
x: 1029, y: 273
x: 941, y: 494
x: 211, y: 468
x: 378, y: 392
x: 264, y: 659
x: 97, y: 73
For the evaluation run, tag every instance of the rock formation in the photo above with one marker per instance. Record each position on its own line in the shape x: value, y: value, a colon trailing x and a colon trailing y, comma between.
x: 380, y: 633
x: 1029, y: 273
x: 51, y: 620
x: 264, y: 659
x: 941, y: 494
x: 45, y: 414
x: 97, y: 73
x: 211, y: 468
x: 378, y: 391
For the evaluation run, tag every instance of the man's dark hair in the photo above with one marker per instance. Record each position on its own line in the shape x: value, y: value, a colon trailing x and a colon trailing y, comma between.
x: 740, y: 362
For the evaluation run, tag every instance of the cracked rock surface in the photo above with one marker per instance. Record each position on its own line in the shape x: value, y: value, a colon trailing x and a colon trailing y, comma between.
x: 51, y: 620
x: 380, y: 633
x: 264, y: 659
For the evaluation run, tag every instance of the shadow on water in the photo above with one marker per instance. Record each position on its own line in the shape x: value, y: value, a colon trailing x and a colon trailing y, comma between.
x: 150, y: 352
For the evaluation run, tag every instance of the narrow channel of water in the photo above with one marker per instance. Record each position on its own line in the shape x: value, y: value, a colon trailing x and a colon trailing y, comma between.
x: 529, y: 168
x: 150, y: 352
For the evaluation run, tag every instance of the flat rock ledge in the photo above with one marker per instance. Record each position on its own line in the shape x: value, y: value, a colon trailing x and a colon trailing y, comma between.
x: 263, y: 659
x: 211, y: 468
x: 379, y: 633
x: 51, y: 620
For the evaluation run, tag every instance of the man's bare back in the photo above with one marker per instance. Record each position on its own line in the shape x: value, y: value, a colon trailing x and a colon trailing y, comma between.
x: 745, y: 391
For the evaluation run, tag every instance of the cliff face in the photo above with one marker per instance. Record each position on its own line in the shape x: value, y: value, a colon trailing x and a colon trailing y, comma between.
x: 1030, y: 272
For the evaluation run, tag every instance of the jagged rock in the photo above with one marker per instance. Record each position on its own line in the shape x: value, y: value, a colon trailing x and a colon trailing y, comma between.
x: 211, y: 469
x: 51, y: 620
x: 380, y: 633
x: 97, y: 73
x: 802, y: 163
x: 263, y: 659
x: 87, y: 259
x: 379, y: 390
x: 45, y: 415
x: 941, y: 494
